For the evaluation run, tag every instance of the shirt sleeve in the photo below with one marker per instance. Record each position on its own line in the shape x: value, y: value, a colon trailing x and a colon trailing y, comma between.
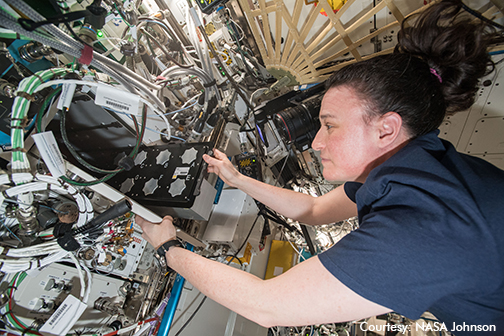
x: 351, y: 189
x: 410, y: 251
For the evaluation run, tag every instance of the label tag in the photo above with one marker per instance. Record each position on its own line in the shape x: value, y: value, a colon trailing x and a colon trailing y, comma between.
x: 117, y: 100
x: 243, y: 137
x: 101, y: 257
x: 133, y: 32
x: 48, y: 148
x: 66, y: 96
x: 70, y: 310
x: 277, y: 271
x: 180, y: 171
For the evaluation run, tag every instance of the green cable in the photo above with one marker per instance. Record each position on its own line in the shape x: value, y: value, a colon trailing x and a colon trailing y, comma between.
x: 74, y: 152
x: 142, y: 132
x: 122, y: 17
x: 151, y: 48
x: 7, y: 309
x: 20, y: 109
x: 86, y: 184
x: 15, y: 282
x: 108, y: 177
x: 247, y: 68
x: 84, y: 162
x: 13, y: 36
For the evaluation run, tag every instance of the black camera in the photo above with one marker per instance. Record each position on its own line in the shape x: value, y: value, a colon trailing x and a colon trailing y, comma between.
x: 295, y: 115
x: 300, y: 124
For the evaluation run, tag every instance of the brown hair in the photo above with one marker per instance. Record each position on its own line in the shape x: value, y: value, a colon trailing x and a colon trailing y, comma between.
x: 434, y: 70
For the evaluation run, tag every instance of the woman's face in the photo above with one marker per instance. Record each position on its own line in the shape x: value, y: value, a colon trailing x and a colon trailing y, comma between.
x: 346, y: 141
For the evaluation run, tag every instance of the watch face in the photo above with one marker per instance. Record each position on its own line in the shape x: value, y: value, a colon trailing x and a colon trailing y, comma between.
x: 161, y: 251
x: 160, y: 258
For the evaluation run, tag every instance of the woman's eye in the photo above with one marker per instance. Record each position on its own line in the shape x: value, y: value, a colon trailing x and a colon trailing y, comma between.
x: 328, y: 126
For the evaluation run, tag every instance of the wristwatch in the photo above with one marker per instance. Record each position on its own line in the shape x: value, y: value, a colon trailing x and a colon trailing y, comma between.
x: 161, y: 251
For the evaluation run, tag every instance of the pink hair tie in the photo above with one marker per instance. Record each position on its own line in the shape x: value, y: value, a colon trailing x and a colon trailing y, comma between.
x: 434, y: 72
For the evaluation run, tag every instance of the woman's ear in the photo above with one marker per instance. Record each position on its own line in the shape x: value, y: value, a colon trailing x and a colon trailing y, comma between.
x: 390, y: 126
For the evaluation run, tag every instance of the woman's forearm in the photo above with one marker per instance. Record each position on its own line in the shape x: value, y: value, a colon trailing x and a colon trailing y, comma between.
x: 231, y: 287
x: 289, y: 203
x: 278, y: 301
x: 329, y: 208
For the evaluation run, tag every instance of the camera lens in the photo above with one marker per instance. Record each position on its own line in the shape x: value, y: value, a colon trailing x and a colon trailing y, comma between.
x: 299, y: 124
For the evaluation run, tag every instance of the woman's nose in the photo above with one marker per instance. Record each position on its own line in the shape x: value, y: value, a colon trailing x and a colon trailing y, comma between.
x: 317, y: 143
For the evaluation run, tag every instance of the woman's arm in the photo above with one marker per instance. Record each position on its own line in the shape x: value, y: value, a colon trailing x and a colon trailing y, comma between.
x: 306, y: 294
x: 329, y: 208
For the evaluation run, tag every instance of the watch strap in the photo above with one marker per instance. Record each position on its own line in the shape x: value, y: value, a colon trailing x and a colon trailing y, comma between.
x: 161, y: 251
x: 167, y: 245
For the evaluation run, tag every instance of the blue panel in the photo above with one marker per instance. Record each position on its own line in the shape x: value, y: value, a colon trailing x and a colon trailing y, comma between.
x: 5, y: 140
x: 171, y: 307
x: 42, y: 64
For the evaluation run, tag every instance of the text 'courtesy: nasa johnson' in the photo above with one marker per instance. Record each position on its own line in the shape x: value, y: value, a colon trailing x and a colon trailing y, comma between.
x: 424, y: 326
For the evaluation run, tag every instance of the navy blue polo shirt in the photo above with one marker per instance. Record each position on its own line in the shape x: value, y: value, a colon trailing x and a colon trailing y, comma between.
x: 431, y: 236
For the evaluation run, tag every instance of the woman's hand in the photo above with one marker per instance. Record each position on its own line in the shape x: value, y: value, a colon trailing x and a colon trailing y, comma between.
x: 220, y: 165
x: 157, y: 234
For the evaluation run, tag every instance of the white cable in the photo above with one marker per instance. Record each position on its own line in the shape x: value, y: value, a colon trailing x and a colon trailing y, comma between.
x: 69, y: 81
x: 98, y: 84
x: 255, y: 92
x: 190, y: 100
x: 241, y: 30
x: 24, y: 264
x: 54, y: 55
x: 4, y: 179
x: 80, y: 266
x: 52, y: 258
x: 35, y: 250
x: 89, y: 210
x: 84, y: 295
x: 85, y: 212
x: 35, y: 16
x: 131, y: 327
x: 133, y: 76
x: 110, y: 51
x: 161, y: 115
x: 89, y: 283
x: 297, y: 251
x: 24, y: 188
x: 12, y: 331
x: 45, y: 232
x: 144, y: 328
x: 81, y: 275
x: 191, y: 28
x: 108, y: 39
x: 63, y: 189
x: 19, y: 111
x: 74, y: 48
x: 20, y: 178
x: 206, y: 72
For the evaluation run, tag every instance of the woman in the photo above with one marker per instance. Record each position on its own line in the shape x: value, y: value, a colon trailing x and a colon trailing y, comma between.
x: 431, y: 234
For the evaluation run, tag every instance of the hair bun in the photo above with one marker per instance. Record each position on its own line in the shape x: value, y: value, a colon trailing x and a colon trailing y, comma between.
x: 453, y: 43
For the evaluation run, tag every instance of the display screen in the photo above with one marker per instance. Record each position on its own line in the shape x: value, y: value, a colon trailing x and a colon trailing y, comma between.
x: 208, y: 6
